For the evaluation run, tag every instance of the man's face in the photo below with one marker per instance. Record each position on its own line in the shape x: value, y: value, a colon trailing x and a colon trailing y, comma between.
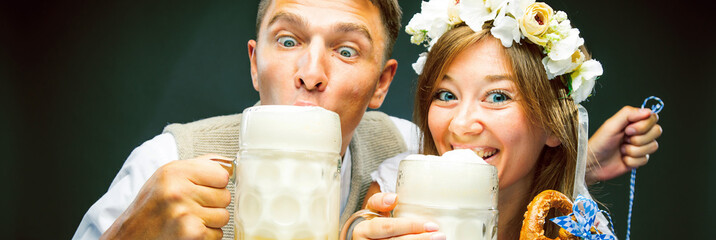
x: 327, y: 53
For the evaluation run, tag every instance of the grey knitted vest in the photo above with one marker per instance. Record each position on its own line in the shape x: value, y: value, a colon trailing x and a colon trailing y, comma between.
x: 375, y: 139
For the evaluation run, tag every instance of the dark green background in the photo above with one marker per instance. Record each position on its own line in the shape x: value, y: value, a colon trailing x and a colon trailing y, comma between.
x: 84, y: 82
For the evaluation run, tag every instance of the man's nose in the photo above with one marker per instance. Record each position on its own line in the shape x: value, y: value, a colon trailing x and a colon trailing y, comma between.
x: 312, y: 66
x: 467, y: 121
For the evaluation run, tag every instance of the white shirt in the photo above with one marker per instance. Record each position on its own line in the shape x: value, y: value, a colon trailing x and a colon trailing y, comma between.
x: 387, y: 173
x: 162, y: 149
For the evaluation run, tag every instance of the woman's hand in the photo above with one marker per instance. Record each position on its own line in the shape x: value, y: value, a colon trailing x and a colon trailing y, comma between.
x: 394, y: 228
x: 622, y: 143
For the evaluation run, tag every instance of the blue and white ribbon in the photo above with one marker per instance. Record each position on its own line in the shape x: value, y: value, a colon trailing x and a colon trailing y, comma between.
x: 584, y: 210
x: 655, y: 108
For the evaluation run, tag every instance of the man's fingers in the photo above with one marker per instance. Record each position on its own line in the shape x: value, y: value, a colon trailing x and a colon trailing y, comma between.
x: 228, y: 165
x: 208, y: 173
x: 214, y: 217
x: 211, y: 197
x: 643, y: 139
x: 192, y: 227
x: 213, y: 234
x: 381, y: 227
x: 639, y: 151
x: 382, y: 202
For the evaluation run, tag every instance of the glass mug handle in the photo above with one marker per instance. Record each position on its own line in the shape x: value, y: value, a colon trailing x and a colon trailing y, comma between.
x: 364, y: 214
x: 228, y: 165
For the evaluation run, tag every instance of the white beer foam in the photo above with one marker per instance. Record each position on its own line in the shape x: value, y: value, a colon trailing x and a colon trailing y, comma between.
x: 297, y: 128
x: 463, y: 155
x: 458, y: 179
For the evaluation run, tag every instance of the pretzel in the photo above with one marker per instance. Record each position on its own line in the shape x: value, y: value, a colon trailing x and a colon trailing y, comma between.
x: 537, y: 210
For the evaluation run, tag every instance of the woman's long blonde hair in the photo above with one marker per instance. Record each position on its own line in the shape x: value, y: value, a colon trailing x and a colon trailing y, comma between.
x: 545, y: 102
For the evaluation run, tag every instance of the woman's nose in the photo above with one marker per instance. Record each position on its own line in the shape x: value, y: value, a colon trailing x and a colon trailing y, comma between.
x: 467, y: 121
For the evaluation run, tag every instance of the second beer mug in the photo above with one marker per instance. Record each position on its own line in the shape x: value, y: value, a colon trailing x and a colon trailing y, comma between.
x: 458, y: 191
x: 288, y: 177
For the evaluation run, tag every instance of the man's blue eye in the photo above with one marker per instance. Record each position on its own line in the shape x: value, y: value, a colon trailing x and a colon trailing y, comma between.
x: 287, y: 41
x: 347, y: 51
x: 446, y: 96
x: 497, y: 97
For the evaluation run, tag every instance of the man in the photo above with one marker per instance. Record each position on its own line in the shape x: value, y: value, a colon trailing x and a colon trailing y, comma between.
x: 330, y: 53
x: 333, y: 54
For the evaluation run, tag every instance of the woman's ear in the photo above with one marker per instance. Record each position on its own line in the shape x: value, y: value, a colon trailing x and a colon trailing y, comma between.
x: 553, y: 141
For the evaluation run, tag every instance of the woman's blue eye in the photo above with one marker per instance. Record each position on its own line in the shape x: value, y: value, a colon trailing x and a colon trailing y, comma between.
x: 347, y: 52
x: 497, y: 97
x: 287, y: 41
x: 446, y: 96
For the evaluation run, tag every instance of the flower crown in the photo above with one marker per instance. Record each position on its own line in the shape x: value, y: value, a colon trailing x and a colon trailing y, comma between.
x: 512, y: 20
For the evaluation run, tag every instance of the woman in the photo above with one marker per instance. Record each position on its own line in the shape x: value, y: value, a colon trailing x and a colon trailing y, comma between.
x: 513, y: 102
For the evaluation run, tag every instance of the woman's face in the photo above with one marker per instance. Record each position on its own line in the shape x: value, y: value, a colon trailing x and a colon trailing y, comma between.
x: 477, y: 106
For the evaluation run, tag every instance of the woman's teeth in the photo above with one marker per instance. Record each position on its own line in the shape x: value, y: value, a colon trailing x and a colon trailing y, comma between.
x: 481, y: 152
x: 485, y: 153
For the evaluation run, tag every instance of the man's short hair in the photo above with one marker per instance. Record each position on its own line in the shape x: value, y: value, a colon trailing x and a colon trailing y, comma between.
x: 390, y: 15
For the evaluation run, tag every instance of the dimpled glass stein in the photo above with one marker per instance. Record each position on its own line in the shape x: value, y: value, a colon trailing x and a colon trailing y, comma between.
x: 457, y: 194
x: 288, y: 180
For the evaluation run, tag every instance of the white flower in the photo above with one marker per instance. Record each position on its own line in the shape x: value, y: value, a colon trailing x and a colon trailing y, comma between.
x: 417, y: 28
x: 565, y: 47
x: 442, y: 15
x: 560, y: 27
x: 420, y: 63
x: 560, y: 16
x: 583, y: 79
x: 556, y: 68
x: 435, y: 9
x: 517, y: 7
x: 435, y: 18
x: 476, y: 12
x: 506, y: 29
x: 495, y: 5
x: 552, y: 38
x: 417, y: 24
x: 437, y: 30
x: 454, y: 15
x: 436, y: 12
x: 417, y: 38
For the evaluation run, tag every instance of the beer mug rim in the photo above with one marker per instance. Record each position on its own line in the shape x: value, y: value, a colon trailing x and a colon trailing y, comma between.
x: 446, y: 207
x: 435, y: 160
x: 285, y: 108
x: 286, y: 151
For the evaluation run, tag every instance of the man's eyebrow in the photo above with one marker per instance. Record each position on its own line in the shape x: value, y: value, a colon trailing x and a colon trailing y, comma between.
x: 288, y: 17
x: 339, y: 28
x: 353, y: 27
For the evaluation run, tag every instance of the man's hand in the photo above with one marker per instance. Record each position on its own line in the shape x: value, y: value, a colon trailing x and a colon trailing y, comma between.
x: 393, y: 228
x: 622, y: 143
x: 183, y: 199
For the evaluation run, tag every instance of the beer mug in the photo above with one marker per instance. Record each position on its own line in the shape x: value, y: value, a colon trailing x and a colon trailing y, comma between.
x: 288, y: 175
x: 454, y: 191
